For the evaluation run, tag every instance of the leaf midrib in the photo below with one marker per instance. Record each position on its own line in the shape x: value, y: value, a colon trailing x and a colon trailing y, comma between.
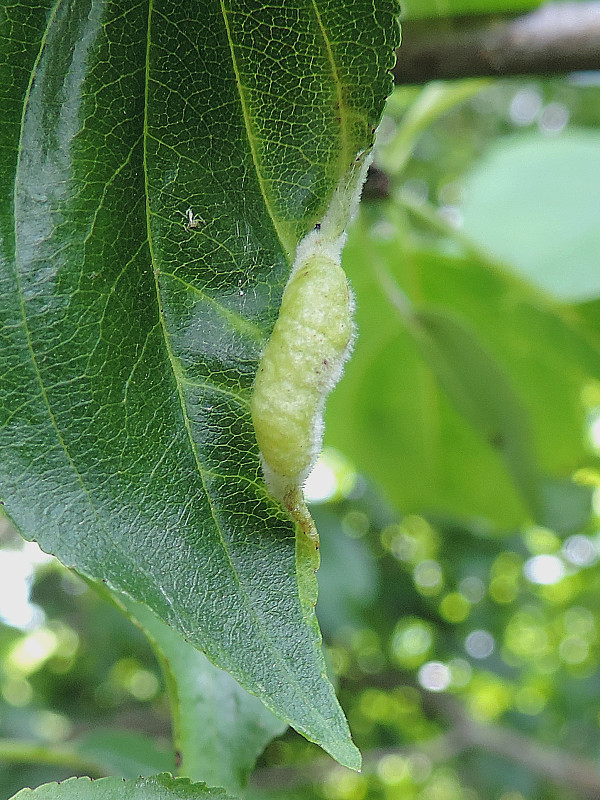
x: 286, y: 243
x: 344, y: 149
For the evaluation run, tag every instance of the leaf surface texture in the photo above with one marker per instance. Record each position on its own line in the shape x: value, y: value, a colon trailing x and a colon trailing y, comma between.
x: 130, y: 338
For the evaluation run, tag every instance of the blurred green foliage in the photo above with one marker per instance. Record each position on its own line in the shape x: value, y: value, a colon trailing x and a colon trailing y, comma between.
x: 461, y: 625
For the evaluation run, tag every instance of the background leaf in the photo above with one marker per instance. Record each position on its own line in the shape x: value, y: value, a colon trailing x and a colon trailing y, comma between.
x: 160, y: 787
x: 219, y: 730
x: 407, y: 435
x: 130, y: 342
x: 124, y: 753
x: 556, y: 250
x: 424, y: 9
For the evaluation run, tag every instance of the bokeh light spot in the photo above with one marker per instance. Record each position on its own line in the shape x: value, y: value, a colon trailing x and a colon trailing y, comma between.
x: 573, y: 650
x: 331, y: 477
x: 428, y: 577
x: 455, y: 607
x: 393, y: 769
x: 540, y: 541
x: 434, y: 676
x: 411, y: 642
x: 479, y: 644
x: 525, y: 106
x: 31, y: 652
x: 554, y: 118
x: 580, y: 550
x: 460, y: 672
x: 473, y: 588
x: 17, y: 692
x: 544, y: 570
x: 530, y: 700
x: 345, y: 785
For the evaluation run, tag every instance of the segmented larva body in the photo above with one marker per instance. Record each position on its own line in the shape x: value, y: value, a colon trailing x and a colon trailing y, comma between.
x: 302, y: 362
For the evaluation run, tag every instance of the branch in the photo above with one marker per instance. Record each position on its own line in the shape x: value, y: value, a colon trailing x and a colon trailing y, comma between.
x: 553, y: 765
x: 555, y: 39
x: 580, y: 775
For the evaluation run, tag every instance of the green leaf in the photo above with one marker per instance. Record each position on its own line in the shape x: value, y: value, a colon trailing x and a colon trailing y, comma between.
x: 410, y: 436
x: 219, y: 729
x: 159, y: 787
x: 480, y: 391
x: 556, y: 250
x: 130, y: 339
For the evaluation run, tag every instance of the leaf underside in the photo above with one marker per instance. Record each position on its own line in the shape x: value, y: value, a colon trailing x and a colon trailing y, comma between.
x: 130, y: 338
x: 219, y: 730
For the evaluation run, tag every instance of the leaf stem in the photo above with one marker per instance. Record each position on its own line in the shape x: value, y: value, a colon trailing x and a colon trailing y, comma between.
x: 15, y: 751
x: 434, y: 100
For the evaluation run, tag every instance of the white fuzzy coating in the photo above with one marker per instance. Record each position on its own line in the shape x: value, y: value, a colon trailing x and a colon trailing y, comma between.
x: 305, y: 356
x: 302, y: 362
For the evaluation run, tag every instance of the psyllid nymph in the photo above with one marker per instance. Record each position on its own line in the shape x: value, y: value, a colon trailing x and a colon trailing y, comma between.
x: 305, y: 356
x: 302, y: 362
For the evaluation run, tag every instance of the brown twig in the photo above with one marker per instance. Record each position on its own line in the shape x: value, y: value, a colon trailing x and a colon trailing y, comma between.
x: 556, y: 39
x: 551, y: 764
x: 580, y: 775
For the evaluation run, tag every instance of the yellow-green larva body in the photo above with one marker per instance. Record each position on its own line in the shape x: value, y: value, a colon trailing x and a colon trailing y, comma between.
x: 301, y: 363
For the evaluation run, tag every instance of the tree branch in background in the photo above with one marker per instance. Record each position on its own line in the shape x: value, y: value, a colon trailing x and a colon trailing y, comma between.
x: 555, y: 39
x: 580, y: 775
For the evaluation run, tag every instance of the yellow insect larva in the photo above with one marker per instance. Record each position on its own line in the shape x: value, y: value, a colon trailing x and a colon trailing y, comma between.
x: 302, y: 362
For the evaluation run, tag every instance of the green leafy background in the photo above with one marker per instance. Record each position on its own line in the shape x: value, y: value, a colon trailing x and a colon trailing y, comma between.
x: 522, y: 416
x: 556, y: 250
x: 219, y: 729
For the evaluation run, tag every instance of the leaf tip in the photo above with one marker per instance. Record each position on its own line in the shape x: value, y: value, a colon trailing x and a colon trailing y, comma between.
x: 348, y: 755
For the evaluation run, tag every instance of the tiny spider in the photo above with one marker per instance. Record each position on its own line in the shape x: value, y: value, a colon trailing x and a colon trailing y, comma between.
x: 193, y: 220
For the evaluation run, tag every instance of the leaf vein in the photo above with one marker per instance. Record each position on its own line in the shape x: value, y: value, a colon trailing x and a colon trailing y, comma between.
x: 287, y: 246
x: 233, y: 317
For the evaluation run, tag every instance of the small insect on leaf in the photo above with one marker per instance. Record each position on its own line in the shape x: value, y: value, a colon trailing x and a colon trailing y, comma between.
x: 193, y: 221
